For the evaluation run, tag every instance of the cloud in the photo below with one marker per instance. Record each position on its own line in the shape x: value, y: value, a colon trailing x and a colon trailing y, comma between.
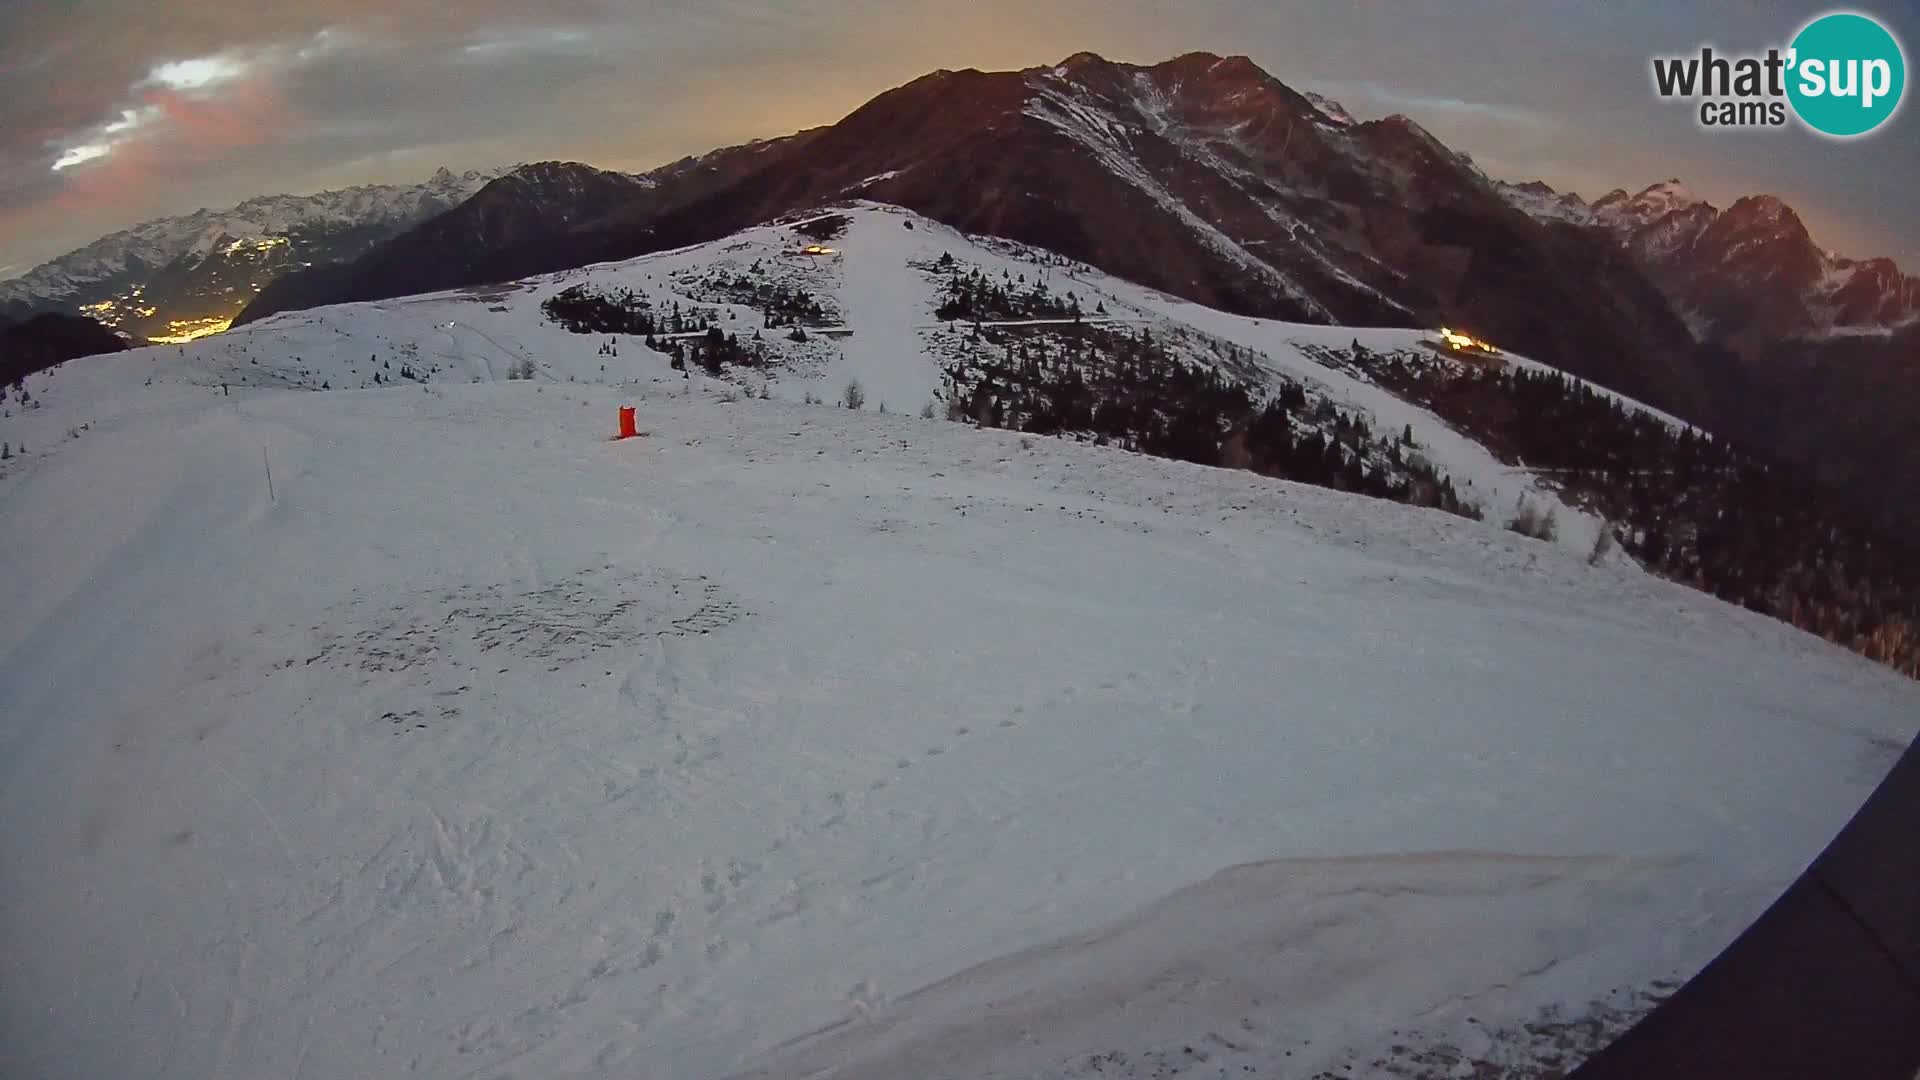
x: 199, y: 73
x: 107, y: 137
x: 1503, y: 113
x: 131, y: 120
x: 81, y: 154
x: 202, y: 99
x: 494, y: 44
x: 211, y: 100
x: 1387, y: 99
x: 329, y: 40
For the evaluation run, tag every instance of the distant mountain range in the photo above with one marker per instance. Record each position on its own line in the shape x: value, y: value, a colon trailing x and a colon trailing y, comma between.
x: 1744, y: 275
x: 1819, y: 357
x: 182, y: 276
x: 535, y: 218
x: 1207, y: 178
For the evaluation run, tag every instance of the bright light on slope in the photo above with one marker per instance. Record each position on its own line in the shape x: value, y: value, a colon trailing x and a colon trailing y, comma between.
x: 185, y: 330
x: 254, y: 243
x: 1456, y: 340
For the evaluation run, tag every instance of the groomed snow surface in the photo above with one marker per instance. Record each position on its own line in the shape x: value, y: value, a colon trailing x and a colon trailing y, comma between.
x: 789, y: 741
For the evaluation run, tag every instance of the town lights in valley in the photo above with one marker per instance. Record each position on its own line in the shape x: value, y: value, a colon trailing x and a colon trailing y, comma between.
x: 181, y: 331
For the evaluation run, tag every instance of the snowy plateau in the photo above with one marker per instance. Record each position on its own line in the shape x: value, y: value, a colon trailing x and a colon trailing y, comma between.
x: 418, y: 728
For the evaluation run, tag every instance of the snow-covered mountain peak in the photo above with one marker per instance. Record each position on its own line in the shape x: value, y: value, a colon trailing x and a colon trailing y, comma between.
x: 1079, y: 61
x: 1672, y: 193
x: 1652, y: 203
x: 560, y: 180
x: 1764, y: 209
x: 1538, y: 200
x: 1200, y: 175
x: 1332, y: 109
x: 1712, y: 260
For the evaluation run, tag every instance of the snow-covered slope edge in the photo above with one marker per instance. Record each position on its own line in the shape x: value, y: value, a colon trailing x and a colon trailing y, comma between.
x: 484, y: 743
x: 1185, y: 986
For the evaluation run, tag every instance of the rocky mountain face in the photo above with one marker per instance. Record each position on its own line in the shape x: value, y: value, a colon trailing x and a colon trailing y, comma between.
x: 1745, y: 276
x: 1814, y: 355
x: 1751, y: 273
x: 1206, y: 177
x: 180, y: 276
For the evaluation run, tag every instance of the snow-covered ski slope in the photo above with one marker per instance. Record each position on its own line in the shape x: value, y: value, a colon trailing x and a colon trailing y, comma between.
x: 790, y: 741
x: 879, y: 281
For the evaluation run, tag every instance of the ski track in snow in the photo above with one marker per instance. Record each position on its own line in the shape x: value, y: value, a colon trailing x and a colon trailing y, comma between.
x: 888, y: 306
x: 787, y: 739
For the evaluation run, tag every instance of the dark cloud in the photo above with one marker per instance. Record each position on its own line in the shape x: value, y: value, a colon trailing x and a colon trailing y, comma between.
x: 162, y: 107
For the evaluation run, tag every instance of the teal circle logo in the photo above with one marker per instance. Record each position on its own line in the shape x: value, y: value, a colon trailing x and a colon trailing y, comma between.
x: 1847, y: 74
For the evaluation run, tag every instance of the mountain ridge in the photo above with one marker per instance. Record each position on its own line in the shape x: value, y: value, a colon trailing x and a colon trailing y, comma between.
x: 519, y: 224
x: 1811, y: 353
x: 1201, y: 175
x: 1706, y: 258
x: 199, y: 269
